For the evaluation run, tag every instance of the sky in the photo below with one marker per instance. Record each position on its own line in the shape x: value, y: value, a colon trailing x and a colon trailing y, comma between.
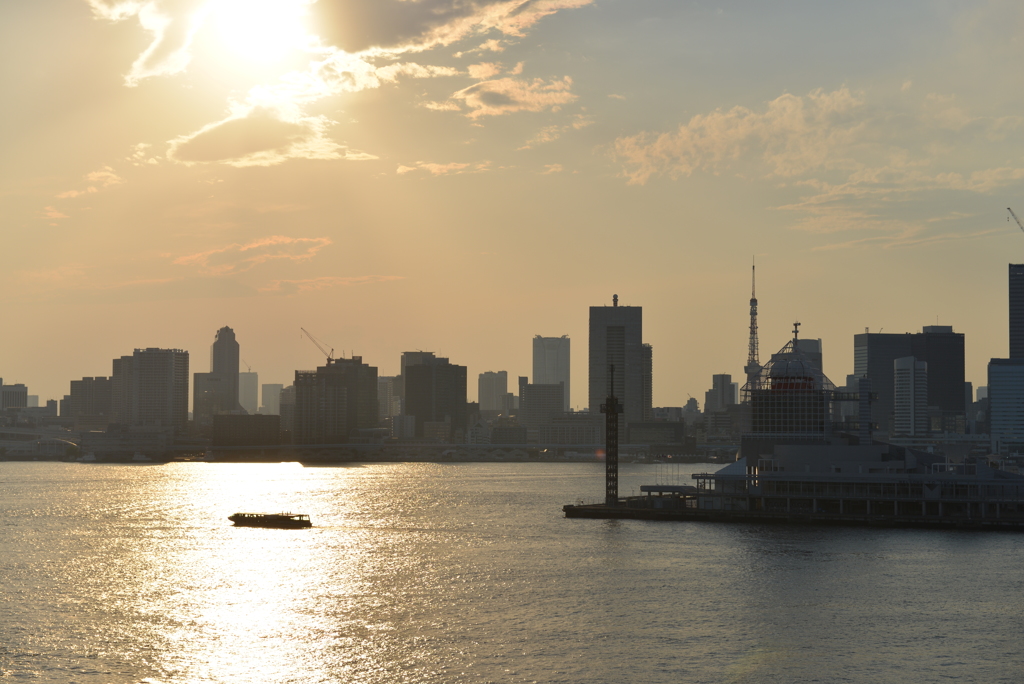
x: 459, y: 176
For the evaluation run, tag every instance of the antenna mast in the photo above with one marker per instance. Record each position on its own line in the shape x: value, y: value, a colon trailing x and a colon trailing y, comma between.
x: 753, y: 367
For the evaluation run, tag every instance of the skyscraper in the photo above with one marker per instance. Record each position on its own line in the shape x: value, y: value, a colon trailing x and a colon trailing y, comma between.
x: 334, y: 401
x: 616, y: 340
x: 910, y: 397
x: 936, y: 345
x: 1016, y: 311
x: 1006, y: 404
x: 248, y: 391
x: 491, y: 390
x: 551, y: 363
x: 271, y: 393
x: 150, y: 387
x: 435, y: 392
x: 217, y: 391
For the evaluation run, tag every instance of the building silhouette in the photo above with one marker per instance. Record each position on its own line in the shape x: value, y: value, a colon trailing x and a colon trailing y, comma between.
x: 910, y: 397
x: 435, y: 394
x: 936, y: 345
x: 1016, y: 287
x: 271, y: 393
x: 722, y: 393
x: 217, y: 391
x: 616, y: 341
x: 1006, y: 405
x: 90, y: 403
x: 491, y: 390
x: 334, y: 402
x: 248, y: 391
x: 551, y: 363
x: 150, y: 388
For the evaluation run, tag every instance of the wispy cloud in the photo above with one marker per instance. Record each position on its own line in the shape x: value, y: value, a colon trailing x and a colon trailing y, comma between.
x: 324, y: 282
x: 510, y: 95
x: 436, y: 169
x: 260, y: 136
x: 101, y: 178
x: 236, y: 258
x: 852, y: 160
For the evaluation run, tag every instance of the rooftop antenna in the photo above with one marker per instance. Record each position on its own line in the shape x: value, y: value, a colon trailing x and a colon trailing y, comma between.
x: 615, y: 300
x: 796, y: 331
x: 753, y: 367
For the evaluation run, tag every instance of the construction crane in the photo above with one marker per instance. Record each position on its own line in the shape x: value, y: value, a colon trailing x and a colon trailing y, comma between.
x: 1014, y: 217
x: 320, y: 346
x: 248, y: 368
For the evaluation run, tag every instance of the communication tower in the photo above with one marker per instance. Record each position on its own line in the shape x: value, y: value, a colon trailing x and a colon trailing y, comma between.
x: 753, y: 367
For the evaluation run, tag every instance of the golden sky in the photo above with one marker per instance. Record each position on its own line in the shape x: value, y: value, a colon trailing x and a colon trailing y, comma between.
x: 461, y: 175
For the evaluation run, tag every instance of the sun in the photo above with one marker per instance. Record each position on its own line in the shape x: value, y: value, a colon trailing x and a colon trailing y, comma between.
x: 261, y: 31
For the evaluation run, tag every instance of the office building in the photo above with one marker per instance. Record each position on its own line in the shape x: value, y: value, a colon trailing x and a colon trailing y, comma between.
x: 412, y: 358
x: 334, y: 402
x: 910, y: 397
x: 617, y: 356
x: 91, y: 403
x: 13, y: 396
x: 1016, y: 286
x: 248, y: 392
x: 150, y: 388
x: 271, y: 393
x: 389, y: 404
x: 217, y: 391
x: 435, y: 393
x: 491, y: 390
x: 647, y: 378
x: 1006, y: 405
x: 551, y: 363
x: 543, y: 404
x: 721, y: 395
x: 939, y: 347
x: 811, y: 349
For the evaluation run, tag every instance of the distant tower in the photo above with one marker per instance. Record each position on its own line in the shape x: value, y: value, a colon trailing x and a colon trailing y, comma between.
x: 753, y: 367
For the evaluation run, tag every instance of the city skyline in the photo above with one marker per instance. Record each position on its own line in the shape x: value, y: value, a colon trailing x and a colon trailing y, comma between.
x: 866, y: 155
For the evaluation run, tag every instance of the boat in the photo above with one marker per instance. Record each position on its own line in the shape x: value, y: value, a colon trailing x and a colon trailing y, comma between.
x: 279, y: 520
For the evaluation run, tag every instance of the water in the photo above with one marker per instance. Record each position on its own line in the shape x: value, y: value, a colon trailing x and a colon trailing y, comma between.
x: 446, y: 573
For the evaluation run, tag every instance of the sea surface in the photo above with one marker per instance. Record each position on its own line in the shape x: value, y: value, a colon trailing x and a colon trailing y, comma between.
x: 448, y: 573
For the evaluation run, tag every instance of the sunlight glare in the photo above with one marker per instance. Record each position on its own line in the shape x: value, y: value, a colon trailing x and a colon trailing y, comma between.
x: 263, y: 31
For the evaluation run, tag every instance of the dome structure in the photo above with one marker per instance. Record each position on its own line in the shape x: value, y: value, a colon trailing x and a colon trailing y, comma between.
x: 790, y: 395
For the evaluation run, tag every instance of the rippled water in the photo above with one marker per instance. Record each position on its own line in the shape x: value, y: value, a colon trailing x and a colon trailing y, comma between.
x: 469, y: 573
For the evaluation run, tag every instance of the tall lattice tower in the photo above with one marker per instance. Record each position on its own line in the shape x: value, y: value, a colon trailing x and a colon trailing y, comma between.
x: 753, y: 367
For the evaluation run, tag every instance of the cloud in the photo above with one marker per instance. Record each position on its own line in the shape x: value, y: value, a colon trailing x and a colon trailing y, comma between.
x: 172, y: 25
x: 444, y: 169
x: 355, y: 26
x: 510, y: 95
x: 391, y: 72
x: 855, y: 163
x: 102, y: 178
x: 287, y: 287
x: 54, y: 213
x: 484, y: 70
x: 552, y: 168
x: 260, y: 136
x: 236, y: 258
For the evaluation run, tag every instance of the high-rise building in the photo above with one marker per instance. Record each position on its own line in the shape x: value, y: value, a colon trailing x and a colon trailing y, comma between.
x: 647, y: 378
x: 616, y: 342
x: 13, y: 396
x: 1006, y: 404
x: 412, y: 358
x: 435, y: 393
x: 491, y: 390
x: 551, y: 363
x: 248, y: 391
x: 389, y: 404
x: 150, y: 387
x: 721, y: 395
x: 910, y: 397
x: 91, y: 403
x: 217, y: 391
x: 1016, y: 311
x: 271, y: 399
x: 334, y: 401
x: 939, y: 347
x: 543, y: 404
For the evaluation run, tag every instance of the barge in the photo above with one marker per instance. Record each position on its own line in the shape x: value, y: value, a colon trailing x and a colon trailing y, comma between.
x: 276, y: 520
